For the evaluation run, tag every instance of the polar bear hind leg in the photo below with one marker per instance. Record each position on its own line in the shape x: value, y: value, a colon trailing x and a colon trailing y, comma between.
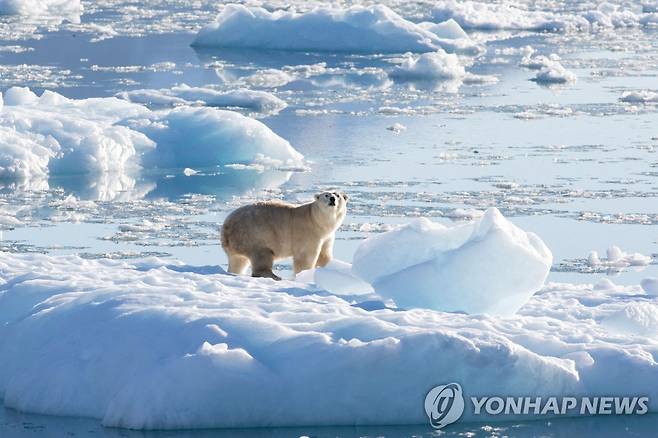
x: 237, y: 263
x: 262, y: 262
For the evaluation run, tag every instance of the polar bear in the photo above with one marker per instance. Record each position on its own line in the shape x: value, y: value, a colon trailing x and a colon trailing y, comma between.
x: 263, y: 232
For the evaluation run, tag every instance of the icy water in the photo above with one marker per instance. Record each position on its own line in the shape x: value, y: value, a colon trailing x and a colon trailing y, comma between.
x: 15, y: 424
x: 570, y: 162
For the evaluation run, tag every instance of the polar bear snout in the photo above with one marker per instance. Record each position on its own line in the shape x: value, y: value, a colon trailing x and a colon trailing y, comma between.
x: 331, y: 199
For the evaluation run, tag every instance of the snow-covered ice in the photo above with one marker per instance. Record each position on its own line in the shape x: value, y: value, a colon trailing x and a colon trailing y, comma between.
x: 216, y: 350
x: 355, y: 29
x: 485, y: 266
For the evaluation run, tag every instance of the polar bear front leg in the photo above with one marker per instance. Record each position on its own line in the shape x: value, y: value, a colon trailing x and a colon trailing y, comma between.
x: 326, y: 252
x: 305, y: 258
x: 262, y: 261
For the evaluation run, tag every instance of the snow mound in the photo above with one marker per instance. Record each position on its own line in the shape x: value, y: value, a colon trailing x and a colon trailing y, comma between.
x: 183, y: 94
x: 643, y: 96
x: 554, y: 73
x: 485, y: 266
x: 501, y: 16
x: 218, y: 350
x: 355, y: 29
x: 639, y: 319
x: 616, y: 258
x: 336, y: 277
x: 53, y: 135
x: 41, y: 7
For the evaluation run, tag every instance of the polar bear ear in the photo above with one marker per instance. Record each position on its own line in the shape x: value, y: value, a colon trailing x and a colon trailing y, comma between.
x: 344, y: 195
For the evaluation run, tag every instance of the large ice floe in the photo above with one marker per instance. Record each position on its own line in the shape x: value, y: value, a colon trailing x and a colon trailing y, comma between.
x: 499, y: 16
x: 485, y: 266
x: 354, y: 29
x: 40, y: 7
x: 216, y: 350
x: 53, y: 135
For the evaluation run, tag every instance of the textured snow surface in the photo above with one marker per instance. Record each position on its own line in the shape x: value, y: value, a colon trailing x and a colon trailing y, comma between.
x: 485, y: 266
x: 219, y: 350
x: 51, y: 134
x: 355, y: 29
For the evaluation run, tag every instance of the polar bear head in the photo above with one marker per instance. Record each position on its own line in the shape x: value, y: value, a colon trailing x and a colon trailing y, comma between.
x: 332, y: 205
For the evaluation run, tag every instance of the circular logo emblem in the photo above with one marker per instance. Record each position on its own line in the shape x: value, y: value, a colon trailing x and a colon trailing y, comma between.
x: 444, y: 405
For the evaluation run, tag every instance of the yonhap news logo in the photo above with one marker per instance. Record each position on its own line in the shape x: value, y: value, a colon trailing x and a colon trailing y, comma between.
x: 445, y: 404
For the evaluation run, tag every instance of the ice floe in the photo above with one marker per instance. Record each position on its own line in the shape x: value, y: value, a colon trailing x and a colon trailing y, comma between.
x: 355, y: 29
x: 429, y: 66
x: 554, y: 73
x: 501, y: 16
x: 183, y: 94
x: 485, y: 266
x: 440, y: 68
x: 216, y: 350
x: 616, y: 258
x: 51, y: 134
x: 41, y: 7
x: 643, y: 96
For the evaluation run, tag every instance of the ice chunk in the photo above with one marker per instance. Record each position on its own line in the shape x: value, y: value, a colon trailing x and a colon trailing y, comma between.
x: 183, y: 94
x: 336, y: 277
x: 430, y: 66
x: 397, y: 128
x: 643, y: 96
x: 616, y: 258
x: 554, y: 73
x: 355, y: 29
x: 485, y: 266
x: 41, y: 7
